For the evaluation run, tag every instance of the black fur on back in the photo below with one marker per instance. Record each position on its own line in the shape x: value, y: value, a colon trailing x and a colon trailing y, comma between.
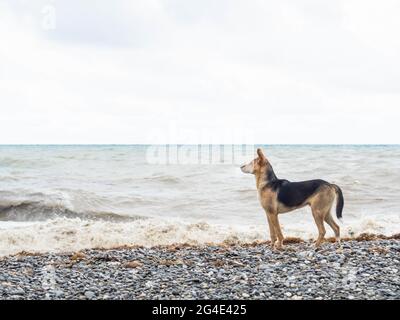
x: 293, y: 194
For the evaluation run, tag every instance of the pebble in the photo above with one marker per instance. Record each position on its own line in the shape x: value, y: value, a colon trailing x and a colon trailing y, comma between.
x: 89, y: 295
x: 59, y: 293
x: 242, y: 272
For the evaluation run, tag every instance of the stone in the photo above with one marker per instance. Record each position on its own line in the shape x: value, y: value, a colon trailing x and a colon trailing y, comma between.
x: 90, y: 295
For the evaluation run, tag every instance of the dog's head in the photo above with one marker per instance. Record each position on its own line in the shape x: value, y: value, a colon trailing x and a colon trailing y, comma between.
x: 256, y: 165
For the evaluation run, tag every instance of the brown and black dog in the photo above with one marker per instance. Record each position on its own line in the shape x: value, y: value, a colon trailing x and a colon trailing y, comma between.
x: 279, y: 196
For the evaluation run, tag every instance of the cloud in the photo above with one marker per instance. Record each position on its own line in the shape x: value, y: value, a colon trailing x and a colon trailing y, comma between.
x: 128, y: 71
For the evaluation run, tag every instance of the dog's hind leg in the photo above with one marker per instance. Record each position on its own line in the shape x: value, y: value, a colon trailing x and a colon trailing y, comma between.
x: 321, y: 204
x: 319, y: 220
x: 329, y: 220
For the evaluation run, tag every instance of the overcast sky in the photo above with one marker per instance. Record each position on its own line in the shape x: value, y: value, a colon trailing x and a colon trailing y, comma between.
x: 199, y: 71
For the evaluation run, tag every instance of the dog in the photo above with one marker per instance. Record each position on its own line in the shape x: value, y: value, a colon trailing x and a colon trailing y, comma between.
x: 280, y: 196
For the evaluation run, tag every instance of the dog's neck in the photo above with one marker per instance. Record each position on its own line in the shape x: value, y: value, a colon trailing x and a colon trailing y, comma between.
x: 265, y: 176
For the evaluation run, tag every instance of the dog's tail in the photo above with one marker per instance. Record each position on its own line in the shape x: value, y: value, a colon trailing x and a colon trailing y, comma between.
x: 339, y: 201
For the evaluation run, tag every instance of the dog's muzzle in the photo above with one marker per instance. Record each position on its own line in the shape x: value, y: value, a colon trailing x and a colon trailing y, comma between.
x: 248, y: 168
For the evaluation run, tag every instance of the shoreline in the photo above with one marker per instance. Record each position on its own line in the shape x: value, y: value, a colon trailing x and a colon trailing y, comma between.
x: 366, y: 267
x: 287, y: 241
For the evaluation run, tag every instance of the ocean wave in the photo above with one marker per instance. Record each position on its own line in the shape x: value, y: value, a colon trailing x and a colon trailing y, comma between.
x: 12, y: 162
x: 167, y: 179
x: 72, y: 234
x: 67, y: 235
x: 18, y: 163
x: 27, y: 210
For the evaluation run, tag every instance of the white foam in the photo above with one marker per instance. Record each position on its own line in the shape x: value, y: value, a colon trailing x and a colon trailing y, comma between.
x: 68, y: 235
x: 60, y: 235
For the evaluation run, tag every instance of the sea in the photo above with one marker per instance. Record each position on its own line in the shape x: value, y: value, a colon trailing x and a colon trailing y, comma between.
x: 64, y: 198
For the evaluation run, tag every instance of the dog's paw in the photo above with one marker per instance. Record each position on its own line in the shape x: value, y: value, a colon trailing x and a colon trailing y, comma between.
x: 278, y: 245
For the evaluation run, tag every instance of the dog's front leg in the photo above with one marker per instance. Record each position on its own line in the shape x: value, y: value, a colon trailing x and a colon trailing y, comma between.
x: 272, y: 232
x: 278, y: 231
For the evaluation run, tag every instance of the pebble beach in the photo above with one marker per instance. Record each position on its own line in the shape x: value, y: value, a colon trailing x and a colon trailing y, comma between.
x: 359, y: 269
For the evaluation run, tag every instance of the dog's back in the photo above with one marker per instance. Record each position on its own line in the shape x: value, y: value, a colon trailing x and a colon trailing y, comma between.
x: 294, y: 194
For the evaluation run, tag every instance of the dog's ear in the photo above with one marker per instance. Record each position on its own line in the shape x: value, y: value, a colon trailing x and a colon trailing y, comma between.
x: 261, y: 155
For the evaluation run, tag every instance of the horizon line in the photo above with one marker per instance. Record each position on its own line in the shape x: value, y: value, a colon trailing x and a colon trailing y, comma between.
x: 196, y: 144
